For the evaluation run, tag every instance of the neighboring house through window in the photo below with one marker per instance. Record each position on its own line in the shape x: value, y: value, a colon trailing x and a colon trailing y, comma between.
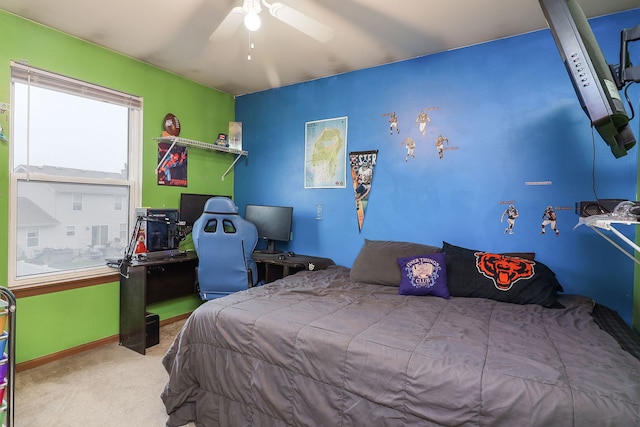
x: 76, y: 149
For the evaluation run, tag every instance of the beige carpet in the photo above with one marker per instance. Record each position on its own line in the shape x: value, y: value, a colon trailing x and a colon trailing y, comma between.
x: 108, y: 386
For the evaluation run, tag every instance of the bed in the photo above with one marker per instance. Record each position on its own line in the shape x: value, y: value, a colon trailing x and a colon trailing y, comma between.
x: 331, y: 348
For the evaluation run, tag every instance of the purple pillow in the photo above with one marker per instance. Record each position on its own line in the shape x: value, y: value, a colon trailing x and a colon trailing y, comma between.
x: 424, y: 275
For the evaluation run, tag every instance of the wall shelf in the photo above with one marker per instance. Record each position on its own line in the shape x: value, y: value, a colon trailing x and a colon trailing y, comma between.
x: 174, y: 140
x: 606, y: 222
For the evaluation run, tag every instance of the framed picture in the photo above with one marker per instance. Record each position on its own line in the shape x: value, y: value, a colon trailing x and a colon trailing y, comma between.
x: 235, y: 135
x: 325, y: 153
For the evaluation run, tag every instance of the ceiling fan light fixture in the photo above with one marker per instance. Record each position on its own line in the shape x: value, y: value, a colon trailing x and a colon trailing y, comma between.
x: 250, y: 13
x: 252, y: 21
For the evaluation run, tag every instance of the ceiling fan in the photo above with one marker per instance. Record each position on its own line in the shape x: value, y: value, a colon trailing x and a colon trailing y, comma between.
x: 249, y: 13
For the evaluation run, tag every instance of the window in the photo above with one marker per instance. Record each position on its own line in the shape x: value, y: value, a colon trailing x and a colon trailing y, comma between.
x: 76, y: 203
x: 124, y: 232
x: 99, y: 235
x: 32, y: 237
x: 74, y: 168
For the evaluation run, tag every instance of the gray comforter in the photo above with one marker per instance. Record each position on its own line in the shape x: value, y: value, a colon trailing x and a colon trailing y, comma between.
x: 314, y: 349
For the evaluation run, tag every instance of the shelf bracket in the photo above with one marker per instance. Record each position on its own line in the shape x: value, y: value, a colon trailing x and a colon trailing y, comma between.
x: 166, y: 154
x: 604, y: 222
x: 231, y: 166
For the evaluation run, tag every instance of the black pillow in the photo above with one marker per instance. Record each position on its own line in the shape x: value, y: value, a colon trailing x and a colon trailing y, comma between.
x: 478, y: 274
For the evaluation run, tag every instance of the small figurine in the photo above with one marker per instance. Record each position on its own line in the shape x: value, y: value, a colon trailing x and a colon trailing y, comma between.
x: 222, y: 140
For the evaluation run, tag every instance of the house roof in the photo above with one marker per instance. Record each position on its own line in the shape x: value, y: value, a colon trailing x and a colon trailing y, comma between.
x: 64, y: 171
x: 31, y: 215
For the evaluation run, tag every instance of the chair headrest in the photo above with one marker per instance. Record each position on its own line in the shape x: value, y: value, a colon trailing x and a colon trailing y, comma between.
x: 220, y: 205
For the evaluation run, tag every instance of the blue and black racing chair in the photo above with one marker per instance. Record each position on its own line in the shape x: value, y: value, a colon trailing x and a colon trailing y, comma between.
x: 224, y: 242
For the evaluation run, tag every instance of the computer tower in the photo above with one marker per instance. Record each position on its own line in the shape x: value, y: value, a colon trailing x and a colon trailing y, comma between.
x: 158, y: 233
x: 152, y: 332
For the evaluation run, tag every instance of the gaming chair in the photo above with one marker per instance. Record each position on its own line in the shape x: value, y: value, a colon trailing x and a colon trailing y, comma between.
x: 224, y: 242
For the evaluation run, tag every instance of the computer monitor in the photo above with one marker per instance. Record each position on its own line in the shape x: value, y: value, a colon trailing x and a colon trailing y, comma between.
x: 273, y: 223
x: 594, y: 82
x: 192, y: 206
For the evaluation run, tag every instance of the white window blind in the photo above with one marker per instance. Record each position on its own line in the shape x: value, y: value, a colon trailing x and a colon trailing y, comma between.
x: 48, y: 80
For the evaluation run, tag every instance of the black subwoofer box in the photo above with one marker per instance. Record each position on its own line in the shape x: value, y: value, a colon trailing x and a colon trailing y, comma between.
x: 597, y: 207
x: 152, y: 321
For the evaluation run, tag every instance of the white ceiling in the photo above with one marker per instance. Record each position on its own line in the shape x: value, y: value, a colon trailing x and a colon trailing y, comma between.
x: 174, y: 34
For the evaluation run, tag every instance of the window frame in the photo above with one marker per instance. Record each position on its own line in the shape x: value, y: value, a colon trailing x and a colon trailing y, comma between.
x: 25, y: 74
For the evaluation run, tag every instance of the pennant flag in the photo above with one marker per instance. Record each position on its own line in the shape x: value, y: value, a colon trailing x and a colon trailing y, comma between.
x: 362, y: 165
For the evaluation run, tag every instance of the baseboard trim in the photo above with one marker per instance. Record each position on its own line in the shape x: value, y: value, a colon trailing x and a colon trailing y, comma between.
x: 43, y: 360
x: 39, y: 361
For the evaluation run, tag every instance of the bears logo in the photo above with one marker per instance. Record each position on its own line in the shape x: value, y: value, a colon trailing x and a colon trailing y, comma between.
x: 504, y: 271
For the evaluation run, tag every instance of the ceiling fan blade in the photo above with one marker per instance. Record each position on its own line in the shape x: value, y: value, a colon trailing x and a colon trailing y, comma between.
x: 229, y: 25
x: 301, y: 22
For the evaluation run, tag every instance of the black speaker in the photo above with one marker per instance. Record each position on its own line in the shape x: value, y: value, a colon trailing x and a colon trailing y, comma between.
x: 598, y: 207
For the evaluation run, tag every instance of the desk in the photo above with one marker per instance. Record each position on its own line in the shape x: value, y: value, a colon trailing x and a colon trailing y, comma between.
x: 161, y: 279
x: 271, y: 267
x: 147, y: 282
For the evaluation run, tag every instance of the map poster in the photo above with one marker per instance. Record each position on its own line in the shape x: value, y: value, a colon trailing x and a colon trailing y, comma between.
x: 325, y: 153
x: 362, y: 165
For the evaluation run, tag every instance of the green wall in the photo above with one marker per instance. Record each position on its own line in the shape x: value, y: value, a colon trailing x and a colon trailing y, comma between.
x: 54, y: 322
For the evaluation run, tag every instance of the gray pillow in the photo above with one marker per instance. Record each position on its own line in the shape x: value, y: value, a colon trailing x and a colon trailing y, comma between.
x: 377, y: 262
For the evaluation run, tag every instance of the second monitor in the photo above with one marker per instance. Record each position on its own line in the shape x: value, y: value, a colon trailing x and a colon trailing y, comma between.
x: 192, y: 206
x: 273, y: 223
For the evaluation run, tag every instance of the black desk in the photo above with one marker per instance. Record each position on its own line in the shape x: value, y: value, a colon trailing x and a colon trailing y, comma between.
x: 271, y: 267
x: 147, y: 282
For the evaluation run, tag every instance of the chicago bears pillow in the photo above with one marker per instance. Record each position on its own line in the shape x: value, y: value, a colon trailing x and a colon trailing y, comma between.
x: 500, y: 277
x: 424, y: 275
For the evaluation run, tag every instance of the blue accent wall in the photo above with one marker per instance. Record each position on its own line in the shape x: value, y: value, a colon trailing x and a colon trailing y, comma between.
x: 512, y: 120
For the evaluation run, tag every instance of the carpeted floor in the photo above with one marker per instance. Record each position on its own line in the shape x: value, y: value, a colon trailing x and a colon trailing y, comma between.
x: 107, y: 386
